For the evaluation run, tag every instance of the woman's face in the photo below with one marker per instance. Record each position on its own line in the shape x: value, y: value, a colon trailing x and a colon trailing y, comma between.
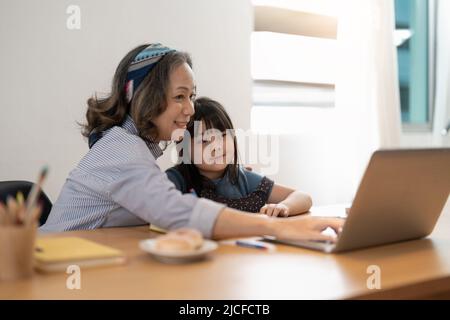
x: 212, y: 150
x: 171, y: 124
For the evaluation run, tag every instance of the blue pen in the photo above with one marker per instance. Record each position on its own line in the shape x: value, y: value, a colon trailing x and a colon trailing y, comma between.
x: 251, y: 244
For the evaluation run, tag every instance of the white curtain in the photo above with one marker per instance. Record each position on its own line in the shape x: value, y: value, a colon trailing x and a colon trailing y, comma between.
x: 367, y: 90
x: 442, y: 97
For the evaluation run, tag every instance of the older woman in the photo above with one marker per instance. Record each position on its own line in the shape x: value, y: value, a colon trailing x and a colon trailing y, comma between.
x: 118, y: 182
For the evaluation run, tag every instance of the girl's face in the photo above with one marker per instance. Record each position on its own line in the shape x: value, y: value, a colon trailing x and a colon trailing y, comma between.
x: 171, y: 124
x: 212, y: 150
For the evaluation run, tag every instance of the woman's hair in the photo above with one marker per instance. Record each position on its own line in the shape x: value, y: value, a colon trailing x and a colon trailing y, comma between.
x: 214, y: 116
x: 148, y: 102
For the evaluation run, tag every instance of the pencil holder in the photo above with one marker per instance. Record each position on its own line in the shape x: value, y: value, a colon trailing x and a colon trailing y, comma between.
x: 17, y: 251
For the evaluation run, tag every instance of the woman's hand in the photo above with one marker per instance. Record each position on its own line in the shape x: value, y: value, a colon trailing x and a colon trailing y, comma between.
x: 232, y: 223
x: 306, y: 228
x: 275, y: 210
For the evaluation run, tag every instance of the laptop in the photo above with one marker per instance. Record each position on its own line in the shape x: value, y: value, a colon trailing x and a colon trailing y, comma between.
x: 400, y: 197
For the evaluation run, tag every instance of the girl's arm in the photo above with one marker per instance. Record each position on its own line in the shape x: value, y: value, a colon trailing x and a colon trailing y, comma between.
x: 284, y: 202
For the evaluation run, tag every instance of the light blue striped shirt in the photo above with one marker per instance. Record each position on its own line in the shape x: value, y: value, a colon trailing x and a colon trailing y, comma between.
x: 118, y: 183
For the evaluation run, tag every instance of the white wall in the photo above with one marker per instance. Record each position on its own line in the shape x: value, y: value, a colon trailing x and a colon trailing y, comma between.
x: 48, y: 71
x: 315, y: 152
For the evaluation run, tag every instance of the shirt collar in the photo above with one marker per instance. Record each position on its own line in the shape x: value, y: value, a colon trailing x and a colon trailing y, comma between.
x: 154, y: 147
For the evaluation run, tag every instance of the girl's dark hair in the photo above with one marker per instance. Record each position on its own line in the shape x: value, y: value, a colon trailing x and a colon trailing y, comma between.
x: 148, y: 102
x: 214, y: 116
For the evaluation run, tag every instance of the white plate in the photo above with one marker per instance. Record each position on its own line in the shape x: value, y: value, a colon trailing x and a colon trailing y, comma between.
x: 181, y: 257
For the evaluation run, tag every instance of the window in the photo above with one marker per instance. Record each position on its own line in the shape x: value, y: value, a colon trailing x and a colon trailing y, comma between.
x: 414, y: 36
x: 290, y: 45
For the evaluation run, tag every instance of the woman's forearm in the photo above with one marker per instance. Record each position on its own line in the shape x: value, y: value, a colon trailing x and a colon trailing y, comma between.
x: 232, y: 223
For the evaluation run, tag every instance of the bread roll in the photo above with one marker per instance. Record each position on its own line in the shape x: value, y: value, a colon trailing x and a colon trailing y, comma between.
x: 173, y: 244
x: 193, y: 235
x: 180, y: 240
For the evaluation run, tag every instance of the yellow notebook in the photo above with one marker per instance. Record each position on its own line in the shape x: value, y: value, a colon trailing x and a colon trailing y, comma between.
x: 56, y: 254
x: 157, y: 229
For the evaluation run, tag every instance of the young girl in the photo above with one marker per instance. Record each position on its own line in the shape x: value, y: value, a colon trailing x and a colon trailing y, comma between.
x: 219, y: 177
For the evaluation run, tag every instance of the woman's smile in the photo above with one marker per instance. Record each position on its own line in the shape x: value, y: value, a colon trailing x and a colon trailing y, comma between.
x: 181, y: 124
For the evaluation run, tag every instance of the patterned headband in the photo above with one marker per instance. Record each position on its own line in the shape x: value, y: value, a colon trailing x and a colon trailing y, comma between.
x: 142, y: 64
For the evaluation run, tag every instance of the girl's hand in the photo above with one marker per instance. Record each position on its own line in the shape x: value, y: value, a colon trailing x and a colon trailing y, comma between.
x: 275, y: 210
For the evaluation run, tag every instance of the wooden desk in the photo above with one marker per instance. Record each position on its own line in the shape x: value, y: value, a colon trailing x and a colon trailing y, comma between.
x: 415, y: 269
